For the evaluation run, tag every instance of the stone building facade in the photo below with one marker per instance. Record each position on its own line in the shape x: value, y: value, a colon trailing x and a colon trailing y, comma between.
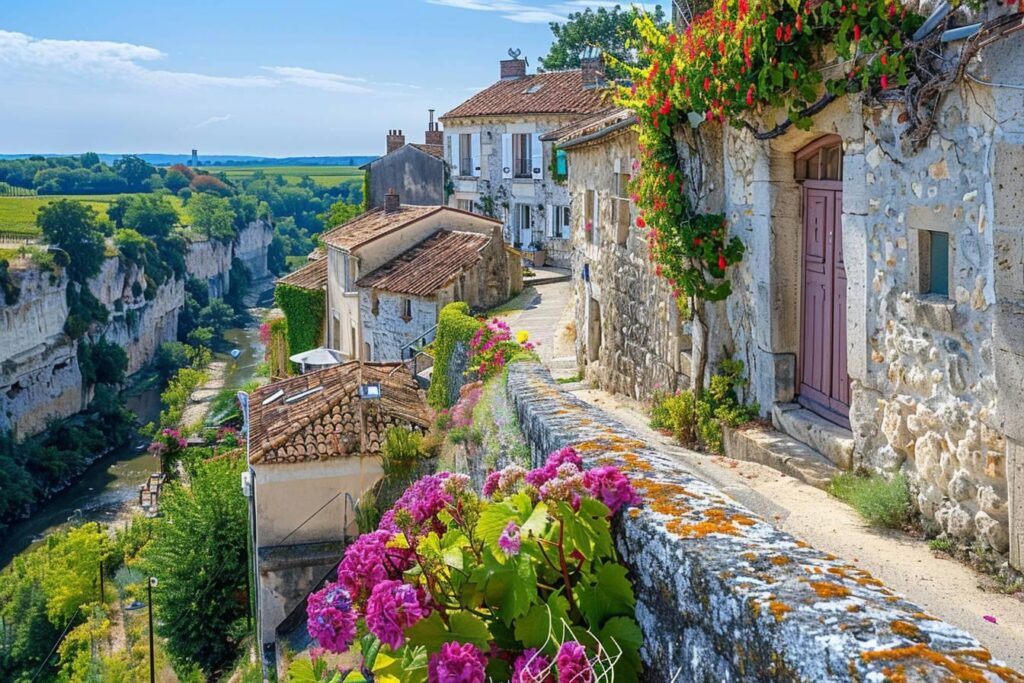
x: 417, y: 171
x: 499, y: 164
x: 880, y: 301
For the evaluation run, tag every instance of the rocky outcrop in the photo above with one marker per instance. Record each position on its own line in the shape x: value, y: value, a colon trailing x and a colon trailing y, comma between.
x: 251, y: 248
x: 724, y: 596
x: 210, y: 262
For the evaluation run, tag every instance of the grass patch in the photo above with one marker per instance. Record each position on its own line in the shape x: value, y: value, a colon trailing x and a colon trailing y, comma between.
x: 941, y: 544
x: 325, y: 176
x: 18, y: 214
x: 578, y: 377
x: 881, y: 501
x: 517, y: 303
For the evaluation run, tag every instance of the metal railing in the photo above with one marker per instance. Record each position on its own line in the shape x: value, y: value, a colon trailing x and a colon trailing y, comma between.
x: 417, y: 344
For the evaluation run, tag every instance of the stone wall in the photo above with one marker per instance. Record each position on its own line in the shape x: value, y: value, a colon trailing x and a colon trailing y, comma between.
x: 724, y: 596
x: 210, y: 261
x: 387, y: 331
x: 251, y: 246
x: 417, y: 176
x: 629, y: 335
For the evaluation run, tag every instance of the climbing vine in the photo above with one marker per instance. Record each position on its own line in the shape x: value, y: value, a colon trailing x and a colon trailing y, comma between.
x: 454, y: 325
x: 304, y: 311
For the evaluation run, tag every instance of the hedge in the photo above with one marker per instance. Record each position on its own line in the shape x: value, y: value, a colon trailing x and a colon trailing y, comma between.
x: 304, y: 310
x: 454, y: 325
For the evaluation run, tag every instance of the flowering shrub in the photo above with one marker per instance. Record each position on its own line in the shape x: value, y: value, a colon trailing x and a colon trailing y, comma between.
x: 167, y: 445
x: 493, y: 345
x: 518, y: 584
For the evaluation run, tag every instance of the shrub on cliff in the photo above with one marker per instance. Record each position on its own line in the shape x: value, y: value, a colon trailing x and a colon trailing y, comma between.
x: 71, y: 226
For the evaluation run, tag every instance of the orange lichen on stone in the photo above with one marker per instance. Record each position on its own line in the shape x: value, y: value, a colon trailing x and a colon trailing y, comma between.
x: 921, y: 616
x: 905, y: 629
x: 634, y: 512
x: 828, y: 589
x: 869, y: 581
x: 749, y: 557
x: 716, y: 521
x: 802, y: 544
x: 635, y: 461
x: 612, y: 444
x: 778, y: 609
x: 974, y: 672
x: 853, y: 608
x: 779, y: 560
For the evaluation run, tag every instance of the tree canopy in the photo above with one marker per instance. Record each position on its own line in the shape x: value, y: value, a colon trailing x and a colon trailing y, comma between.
x: 71, y: 226
x: 610, y: 31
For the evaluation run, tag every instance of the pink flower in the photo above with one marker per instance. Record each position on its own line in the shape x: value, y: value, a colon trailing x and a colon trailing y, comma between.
x: 611, y: 487
x: 509, y: 541
x: 456, y: 663
x: 572, y: 664
x: 532, y: 667
x: 542, y: 475
x: 330, y: 619
x: 393, y: 607
x: 491, y: 484
x: 369, y: 561
x: 425, y: 498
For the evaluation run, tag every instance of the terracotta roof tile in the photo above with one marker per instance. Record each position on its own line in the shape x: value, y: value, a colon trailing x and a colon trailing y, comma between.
x: 588, y: 124
x: 553, y: 92
x: 432, y: 150
x: 313, y: 275
x: 430, y: 265
x: 367, y: 227
x: 296, y: 426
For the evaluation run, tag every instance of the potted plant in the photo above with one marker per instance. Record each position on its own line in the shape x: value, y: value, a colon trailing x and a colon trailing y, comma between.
x: 538, y: 254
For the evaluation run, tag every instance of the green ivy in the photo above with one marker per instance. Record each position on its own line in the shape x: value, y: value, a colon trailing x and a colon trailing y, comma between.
x: 454, y: 325
x: 367, y: 202
x: 304, y: 311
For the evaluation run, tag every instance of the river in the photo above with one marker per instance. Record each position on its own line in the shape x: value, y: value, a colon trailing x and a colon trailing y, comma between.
x: 112, y: 482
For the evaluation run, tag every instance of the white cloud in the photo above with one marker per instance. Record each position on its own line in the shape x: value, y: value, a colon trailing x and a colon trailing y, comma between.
x: 214, y: 119
x: 320, y: 80
x: 106, y: 59
x: 524, y: 13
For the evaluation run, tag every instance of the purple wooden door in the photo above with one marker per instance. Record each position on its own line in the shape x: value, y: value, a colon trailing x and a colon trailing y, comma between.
x: 824, y: 384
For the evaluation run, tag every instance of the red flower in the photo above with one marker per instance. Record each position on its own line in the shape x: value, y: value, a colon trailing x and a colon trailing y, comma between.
x: 778, y: 33
x: 799, y: 22
x: 885, y: 82
x: 750, y: 96
x: 707, y: 83
x: 885, y: 60
x: 672, y: 39
x: 696, y: 241
x: 721, y: 262
x: 640, y: 222
x: 856, y: 33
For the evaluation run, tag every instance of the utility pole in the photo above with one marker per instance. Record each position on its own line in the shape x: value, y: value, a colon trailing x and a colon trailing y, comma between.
x: 152, y: 665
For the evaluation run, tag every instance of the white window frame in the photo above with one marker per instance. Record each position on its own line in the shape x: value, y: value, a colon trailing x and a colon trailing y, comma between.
x: 522, y: 158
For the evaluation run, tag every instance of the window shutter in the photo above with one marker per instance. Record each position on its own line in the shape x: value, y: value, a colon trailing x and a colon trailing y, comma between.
x: 456, y: 155
x: 537, y: 154
x: 566, y: 225
x: 475, y: 153
x: 506, y: 155
x: 549, y: 214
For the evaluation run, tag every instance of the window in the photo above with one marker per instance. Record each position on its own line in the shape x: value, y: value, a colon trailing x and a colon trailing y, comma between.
x: 464, y: 205
x: 523, y: 225
x: 558, y: 226
x: 374, y: 303
x: 466, y: 154
x: 821, y: 160
x: 934, y: 256
x: 591, y: 216
x: 406, y: 310
x: 620, y: 204
x: 521, y: 156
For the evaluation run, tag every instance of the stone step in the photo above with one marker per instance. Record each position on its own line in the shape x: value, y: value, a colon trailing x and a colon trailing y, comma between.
x: 780, y: 452
x: 828, y: 439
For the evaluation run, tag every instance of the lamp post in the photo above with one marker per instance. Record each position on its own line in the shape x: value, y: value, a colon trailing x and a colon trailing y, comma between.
x: 152, y: 664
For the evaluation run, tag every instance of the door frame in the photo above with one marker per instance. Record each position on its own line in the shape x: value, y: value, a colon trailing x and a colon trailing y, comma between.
x: 817, y: 407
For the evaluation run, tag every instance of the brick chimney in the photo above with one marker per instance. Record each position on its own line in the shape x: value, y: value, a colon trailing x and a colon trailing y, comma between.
x: 396, y: 139
x: 512, y: 68
x: 434, y: 135
x: 392, y: 202
x: 593, y: 72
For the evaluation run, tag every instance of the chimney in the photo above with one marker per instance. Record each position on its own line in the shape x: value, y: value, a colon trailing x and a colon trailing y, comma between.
x: 434, y: 135
x: 513, y: 68
x: 593, y: 72
x: 392, y: 202
x: 395, y: 140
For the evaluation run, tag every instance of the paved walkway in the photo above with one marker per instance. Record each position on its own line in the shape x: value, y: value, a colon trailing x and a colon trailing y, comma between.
x: 941, y: 586
x: 547, y: 318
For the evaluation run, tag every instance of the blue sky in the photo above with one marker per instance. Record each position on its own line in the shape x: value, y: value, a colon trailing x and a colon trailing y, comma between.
x: 263, y: 77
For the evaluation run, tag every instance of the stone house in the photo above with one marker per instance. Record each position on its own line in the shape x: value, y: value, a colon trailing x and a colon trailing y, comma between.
x: 391, y: 270
x: 313, y: 450
x: 417, y: 171
x: 500, y: 165
x: 878, y: 307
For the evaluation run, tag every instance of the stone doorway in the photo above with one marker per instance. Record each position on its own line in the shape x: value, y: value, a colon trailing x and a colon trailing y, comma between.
x: 594, y: 331
x: 823, y: 385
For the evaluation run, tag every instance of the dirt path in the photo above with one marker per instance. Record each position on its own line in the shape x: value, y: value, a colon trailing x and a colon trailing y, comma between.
x: 199, y: 401
x: 941, y: 586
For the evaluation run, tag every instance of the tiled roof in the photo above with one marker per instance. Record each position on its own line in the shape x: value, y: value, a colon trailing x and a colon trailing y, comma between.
x: 432, y: 150
x: 553, y: 92
x: 430, y: 265
x: 326, y: 423
x: 373, y: 224
x: 313, y: 275
x: 587, y: 124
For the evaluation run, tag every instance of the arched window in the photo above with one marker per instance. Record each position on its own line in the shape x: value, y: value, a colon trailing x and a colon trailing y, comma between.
x: 821, y: 160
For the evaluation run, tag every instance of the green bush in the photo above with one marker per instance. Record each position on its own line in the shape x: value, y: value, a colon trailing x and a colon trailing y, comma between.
x: 882, y: 501
x: 304, y: 310
x: 454, y: 325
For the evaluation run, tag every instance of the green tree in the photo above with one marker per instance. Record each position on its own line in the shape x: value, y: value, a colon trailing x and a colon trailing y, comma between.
x: 608, y: 31
x: 218, y: 316
x: 339, y: 213
x: 198, y: 553
x: 71, y: 225
x: 135, y: 172
x: 117, y: 210
x: 212, y: 216
x: 89, y: 159
x: 176, y: 180
x: 152, y: 216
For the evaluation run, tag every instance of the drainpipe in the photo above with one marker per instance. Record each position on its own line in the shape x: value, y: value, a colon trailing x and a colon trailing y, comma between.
x: 249, y: 491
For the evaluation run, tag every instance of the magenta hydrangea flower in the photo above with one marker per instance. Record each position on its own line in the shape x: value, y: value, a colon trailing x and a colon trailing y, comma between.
x: 368, y: 561
x: 393, y: 607
x: 425, y: 498
x: 611, y: 487
x: 572, y: 664
x: 491, y: 484
x: 509, y: 541
x: 555, y: 461
x: 456, y: 663
x: 330, y: 618
x: 532, y: 667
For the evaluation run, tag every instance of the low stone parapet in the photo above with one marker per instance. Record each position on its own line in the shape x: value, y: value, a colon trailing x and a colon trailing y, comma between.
x: 724, y: 596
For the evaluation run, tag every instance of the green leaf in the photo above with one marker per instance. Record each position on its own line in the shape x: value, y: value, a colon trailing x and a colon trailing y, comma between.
x: 608, y: 595
x: 537, y: 523
x: 411, y: 667
x: 493, y: 520
x: 623, y: 634
x: 542, y: 626
x: 512, y: 587
x: 431, y: 633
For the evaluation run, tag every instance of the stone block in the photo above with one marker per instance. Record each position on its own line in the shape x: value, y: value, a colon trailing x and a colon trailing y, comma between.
x: 855, y: 191
x: 1009, y: 262
x: 1008, y: 183
x: 831, y: 440
x: 1015, y: 489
